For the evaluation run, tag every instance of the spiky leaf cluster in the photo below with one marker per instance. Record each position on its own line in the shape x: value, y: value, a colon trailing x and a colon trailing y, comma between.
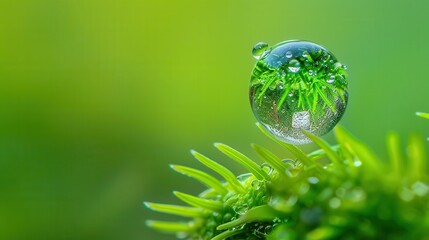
x: 337, y: 192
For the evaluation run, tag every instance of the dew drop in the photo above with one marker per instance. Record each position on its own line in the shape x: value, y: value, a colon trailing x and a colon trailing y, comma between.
x: 289, y: 162
x: 259, y: 49
x: 242, y: 209
x: 282, y: 84
x: 266, y: 168
x: 294, y: 66
x: 256, y: 184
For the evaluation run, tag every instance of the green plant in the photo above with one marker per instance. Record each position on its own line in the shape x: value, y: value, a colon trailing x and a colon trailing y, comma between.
x: 337, y: 192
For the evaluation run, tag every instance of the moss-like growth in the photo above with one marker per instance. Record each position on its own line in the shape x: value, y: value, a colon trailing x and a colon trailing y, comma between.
x: 337, y: 192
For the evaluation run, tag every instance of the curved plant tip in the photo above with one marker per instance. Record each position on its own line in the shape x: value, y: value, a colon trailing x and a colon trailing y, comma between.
x: 336, y: 192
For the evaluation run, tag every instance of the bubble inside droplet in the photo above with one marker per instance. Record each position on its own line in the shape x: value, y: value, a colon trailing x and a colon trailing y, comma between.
x: 259, y: 49
x: 298, y: 86
x: 331, y: 79
x: 294, y: 65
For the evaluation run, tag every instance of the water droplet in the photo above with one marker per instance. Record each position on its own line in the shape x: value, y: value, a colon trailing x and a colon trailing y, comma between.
x: 335, y: 202
x: 331, y: 79
x: 289, y: 54
x: 274, y: 107
x: 289, y: 162
x: 259, y: 49
x: 345, y: 67
x: 313, y: 180
x: 267, y: 168
x: 256, y: 184
x: 294, y: 65
x: 242, y: 209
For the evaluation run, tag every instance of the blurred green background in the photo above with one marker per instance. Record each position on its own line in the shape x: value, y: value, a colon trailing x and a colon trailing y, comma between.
x: 98, y: 97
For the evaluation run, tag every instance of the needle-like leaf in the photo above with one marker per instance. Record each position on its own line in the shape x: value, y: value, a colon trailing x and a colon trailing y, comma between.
x: 202, y: 177
x: 199, y: 202
x: 254, y: 168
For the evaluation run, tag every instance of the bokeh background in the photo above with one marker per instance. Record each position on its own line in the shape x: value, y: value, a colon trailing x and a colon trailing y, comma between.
x: 98, y: 97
